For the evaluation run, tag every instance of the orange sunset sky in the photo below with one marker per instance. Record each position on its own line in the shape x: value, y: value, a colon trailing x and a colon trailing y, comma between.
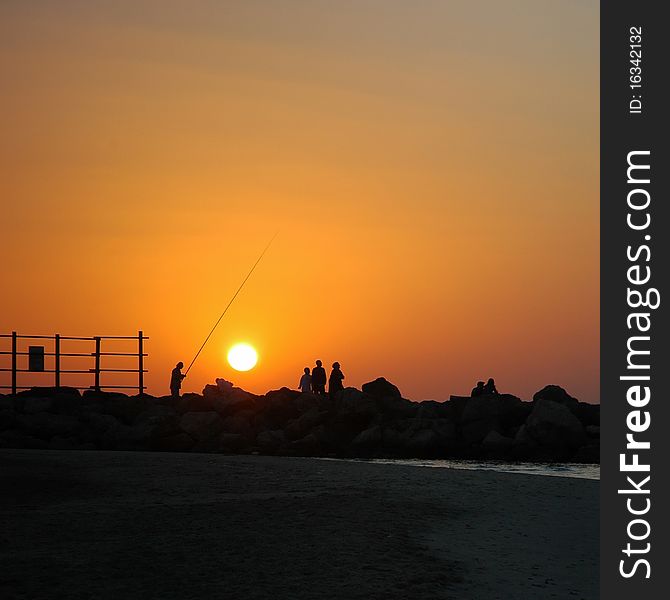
x: 432, y: 169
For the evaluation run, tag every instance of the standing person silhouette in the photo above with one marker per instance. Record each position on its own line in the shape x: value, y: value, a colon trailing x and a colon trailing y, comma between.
x: 305, y: 384
x: 176, y: 379
x: 319, y: 379
x: 335, y: 380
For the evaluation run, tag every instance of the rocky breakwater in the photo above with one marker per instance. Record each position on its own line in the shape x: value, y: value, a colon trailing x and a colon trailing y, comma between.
x: 373, y: 422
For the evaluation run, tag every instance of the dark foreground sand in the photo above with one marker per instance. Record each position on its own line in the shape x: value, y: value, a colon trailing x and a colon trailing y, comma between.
x: 141, y: 525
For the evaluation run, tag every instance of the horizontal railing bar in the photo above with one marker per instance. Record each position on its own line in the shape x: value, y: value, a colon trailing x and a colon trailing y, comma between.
x: 118, y: 354
x: 37, y: 337
x: 30, y: 387
x: 121, y: 337
x: 48, y: 371
x: 119, y: 387
x: 120, y: 371
x: 82, y: 354
x: 70, y: 337
x: 86, y: 354
x: 77, y: 387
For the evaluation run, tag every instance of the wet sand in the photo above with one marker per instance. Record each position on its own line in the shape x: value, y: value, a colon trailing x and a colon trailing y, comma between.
x: 130, y: 525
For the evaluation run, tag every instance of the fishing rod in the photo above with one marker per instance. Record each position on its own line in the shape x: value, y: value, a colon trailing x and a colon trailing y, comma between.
x: 225, y: 310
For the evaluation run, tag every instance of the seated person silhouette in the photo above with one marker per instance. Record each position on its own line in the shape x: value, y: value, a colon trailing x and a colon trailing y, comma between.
x: 490, y: 387
x: 305, y: 384
x: 477, y: 391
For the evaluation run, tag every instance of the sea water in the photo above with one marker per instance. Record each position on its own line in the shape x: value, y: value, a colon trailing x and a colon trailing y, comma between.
x: 572, y: 470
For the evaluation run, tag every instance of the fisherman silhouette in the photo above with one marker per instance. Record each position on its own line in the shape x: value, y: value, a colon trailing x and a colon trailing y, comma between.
x: 490, y: 387
x: 477, y: 391
x: 305, y: 384
x: 175, y: 380
x: 319, y: 379
x: 335, y: 380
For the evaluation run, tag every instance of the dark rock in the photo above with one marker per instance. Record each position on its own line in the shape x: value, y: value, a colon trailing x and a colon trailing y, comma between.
x: 63, y: 443
x: 232, y: 441
x: 589, y: 454
x: 45, y: 425
x: 124, y: 408
x: 180, y: 442
x: 455, y: 406
x: 588, y: 414
x: 49, y: 392
x: 557, y: 394
x: 271, y: 441
x: 201, y: 425
x: 381, y: 388
x: 7, y: 403
x: 553, y: 424
x: 424, y: 441
x: 300, y: 427
x: 195, y: 403
x: 98, y: 422
x: 369, y: 437
x: 496, y: 442
x: 593, y: 431
x: 7, y: 419
x: 20, y: 439
x: 239, y: 423
x: 32, y: 405
x: 499, y: 412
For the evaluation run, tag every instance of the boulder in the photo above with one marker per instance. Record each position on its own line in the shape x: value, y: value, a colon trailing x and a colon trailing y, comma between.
x: 180, y: 442
x: 201, y: 425
x: 195, y: 403
x: 368, y: 438
x: 589, y: 454
x: 124, y: 408
x: 424, y: 441
x: 552, y: 424
x: 496, y: 442
x: 588, y: 414
x: 381, y: 388
x: 271, y: 441
x: 32, y: 405
x: 50, y: 392
x: 7, y: 419
x: 19, y: 439
x: 98, y: 422
x: 238, y: 423
x: 232, y: 441
x: 6, y: 403
x: 593, y: 431
x: 45, y: 425
x: 491, y: 412
x: 300, y: 427
x: 557, y: 394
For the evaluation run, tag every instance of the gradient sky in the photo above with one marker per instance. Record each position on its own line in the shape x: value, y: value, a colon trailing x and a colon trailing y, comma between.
x: 432, y: 168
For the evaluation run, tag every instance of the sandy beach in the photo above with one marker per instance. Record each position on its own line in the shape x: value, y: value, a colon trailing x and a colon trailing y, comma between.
x: 106, y: 525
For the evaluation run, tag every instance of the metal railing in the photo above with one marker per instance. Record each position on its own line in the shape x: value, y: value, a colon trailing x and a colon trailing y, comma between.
x: 97, y: 356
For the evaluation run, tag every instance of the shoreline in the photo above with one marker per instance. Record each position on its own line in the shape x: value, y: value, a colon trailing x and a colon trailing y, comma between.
x: 141, y: 524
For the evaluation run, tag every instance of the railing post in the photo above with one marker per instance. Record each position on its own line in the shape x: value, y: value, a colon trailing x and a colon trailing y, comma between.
x: 57, y: 359
x: 96, y: 385
x: 14, y: 362
x: 140, y: 347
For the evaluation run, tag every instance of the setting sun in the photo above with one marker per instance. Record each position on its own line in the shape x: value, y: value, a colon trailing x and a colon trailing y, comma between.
x: 242, y: 357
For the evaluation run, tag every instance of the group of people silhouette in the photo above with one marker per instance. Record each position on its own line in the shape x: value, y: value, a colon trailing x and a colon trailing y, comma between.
x: 311, y: 382
x: 484, y: 389
x: 315, y: 382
